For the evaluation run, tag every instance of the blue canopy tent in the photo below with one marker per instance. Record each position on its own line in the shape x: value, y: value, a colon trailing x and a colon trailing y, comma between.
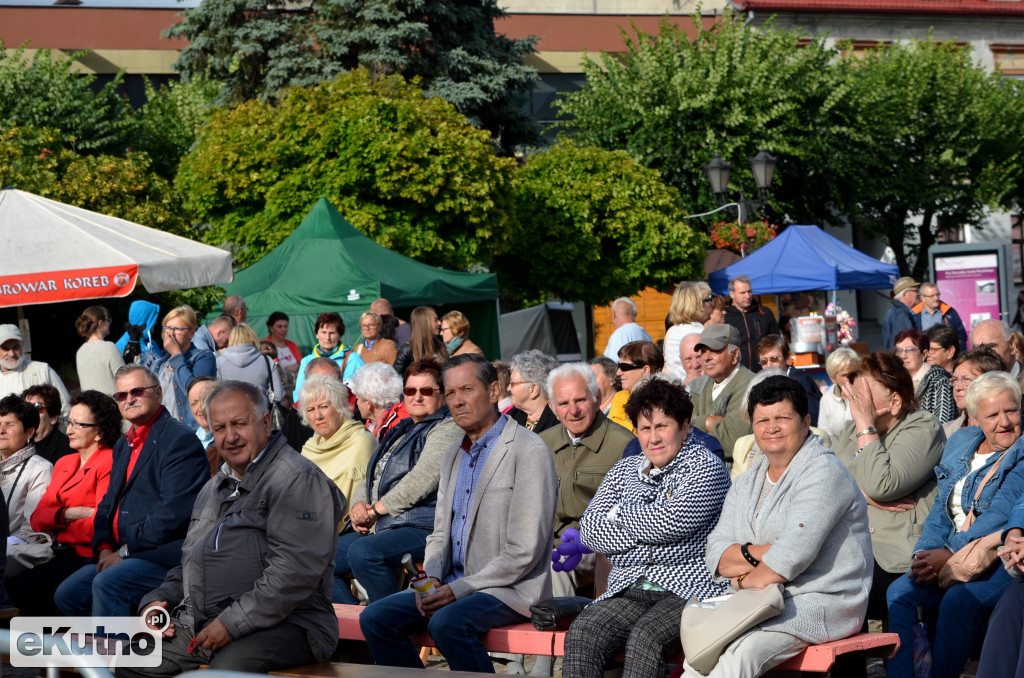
x: 806, y: 258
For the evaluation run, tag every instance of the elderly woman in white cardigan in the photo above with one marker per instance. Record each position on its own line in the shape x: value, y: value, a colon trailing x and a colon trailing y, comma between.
x: 795, y: 518
x: 651, y: 516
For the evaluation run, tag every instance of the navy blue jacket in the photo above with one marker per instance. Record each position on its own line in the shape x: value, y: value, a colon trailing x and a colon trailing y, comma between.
x: 156, y: 503
x: 898, y: 318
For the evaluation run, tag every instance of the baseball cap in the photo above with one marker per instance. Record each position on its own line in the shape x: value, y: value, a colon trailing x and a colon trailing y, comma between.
x: 717, y: 336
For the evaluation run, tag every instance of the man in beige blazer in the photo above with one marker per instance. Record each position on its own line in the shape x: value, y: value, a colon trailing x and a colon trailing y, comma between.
x: 489, y: 553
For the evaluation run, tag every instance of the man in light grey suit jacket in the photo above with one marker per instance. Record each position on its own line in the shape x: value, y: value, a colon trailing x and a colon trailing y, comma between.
x: 489, y: 553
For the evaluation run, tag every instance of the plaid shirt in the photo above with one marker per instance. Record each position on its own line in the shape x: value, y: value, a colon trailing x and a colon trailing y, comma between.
x: 470, y: 466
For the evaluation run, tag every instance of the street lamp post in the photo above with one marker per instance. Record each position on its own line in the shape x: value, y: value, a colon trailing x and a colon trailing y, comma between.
x: 763, y: 167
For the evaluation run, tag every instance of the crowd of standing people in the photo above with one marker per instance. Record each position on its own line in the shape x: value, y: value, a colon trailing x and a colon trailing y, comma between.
x: 245, y: 486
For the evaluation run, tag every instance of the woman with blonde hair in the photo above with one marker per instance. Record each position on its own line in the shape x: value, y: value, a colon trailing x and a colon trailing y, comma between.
x: 690, y: 309
x: 834, y: 411
x: 374, y: 348
x: 97, y: 359
x: 424, y: 341
x: 182, y: 363
x: 455, y: 334
x: 243, y: 361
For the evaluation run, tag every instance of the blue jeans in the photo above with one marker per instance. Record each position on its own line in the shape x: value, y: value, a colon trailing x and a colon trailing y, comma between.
x: 340, y: 592
x: 114, y: 592
x: 456, y: 628
x: 1000, y: 655
x: 963, y: 610
x: 374, y: 558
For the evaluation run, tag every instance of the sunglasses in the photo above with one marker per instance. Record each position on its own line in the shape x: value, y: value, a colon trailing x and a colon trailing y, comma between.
x: 427, y: 391
x: 138, y: 392
x: 629, y: 367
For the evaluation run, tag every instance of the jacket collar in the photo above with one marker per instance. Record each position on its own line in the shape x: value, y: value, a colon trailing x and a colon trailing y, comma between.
x: 592, y: 439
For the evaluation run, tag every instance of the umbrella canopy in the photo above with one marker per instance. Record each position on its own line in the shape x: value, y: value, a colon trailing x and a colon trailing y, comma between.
x: 56, y: 252
x: 806, y: 258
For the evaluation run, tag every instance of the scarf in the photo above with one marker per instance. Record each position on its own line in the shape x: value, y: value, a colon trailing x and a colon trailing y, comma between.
x: 10, y: 465
x: 343, y: 457
x: 454, y: 344
x: 338, y: 350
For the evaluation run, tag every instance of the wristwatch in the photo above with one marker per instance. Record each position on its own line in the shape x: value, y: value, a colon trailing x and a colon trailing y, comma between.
x: 868, y: 431
x: 123, y: 552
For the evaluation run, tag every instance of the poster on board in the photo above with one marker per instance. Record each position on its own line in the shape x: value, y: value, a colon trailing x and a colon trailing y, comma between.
x: 973, y: 279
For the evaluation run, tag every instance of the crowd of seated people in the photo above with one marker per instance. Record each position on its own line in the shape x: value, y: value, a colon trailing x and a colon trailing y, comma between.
x: 690, y: 478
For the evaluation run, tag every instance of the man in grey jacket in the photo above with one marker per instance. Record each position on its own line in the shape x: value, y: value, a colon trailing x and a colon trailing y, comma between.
x: 488, y: 556
x: 253, y: 591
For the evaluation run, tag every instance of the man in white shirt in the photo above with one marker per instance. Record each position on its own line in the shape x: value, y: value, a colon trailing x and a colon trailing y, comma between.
x: 626, y: 329
x: 18, y: 373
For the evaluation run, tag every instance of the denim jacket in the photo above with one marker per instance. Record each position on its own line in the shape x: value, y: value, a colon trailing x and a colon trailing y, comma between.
x: 997, y: 499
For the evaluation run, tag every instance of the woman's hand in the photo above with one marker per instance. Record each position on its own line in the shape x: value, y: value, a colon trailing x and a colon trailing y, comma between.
x: 362, y: 516
x: 78, y: 512
x: 1013, y: 549
x: 862, y: 405
x: 171, y: 344
x: 901, y: 505
x: 926, y: 565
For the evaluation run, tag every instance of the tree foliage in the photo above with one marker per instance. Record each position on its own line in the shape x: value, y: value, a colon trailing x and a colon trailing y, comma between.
x: 45, y: 92
x: 258, y: 48
x: 170, y: 121
x: 595, y: 225
x: 407, y: 171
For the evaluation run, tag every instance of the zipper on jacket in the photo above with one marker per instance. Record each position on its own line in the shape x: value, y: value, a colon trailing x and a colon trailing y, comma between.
x: 216, y: 537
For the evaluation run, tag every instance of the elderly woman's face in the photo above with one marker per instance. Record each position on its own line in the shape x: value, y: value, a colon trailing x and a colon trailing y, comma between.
x: 328, y: 337
x: 911, y: 355
x: 369, y: 327
x: 716, y: 315
x: 194, y: 403
x: 323, y: 417
x: 778, y: 429
x: 661, y: 437
x: 999, y: 419
x: 446, y: 331
x: 630, y: 374
x: 423, y: 396
x: 888, y: 406
x: 963, y: 375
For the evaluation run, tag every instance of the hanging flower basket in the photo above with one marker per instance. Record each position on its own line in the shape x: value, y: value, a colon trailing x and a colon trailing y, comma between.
x: 742, y: 238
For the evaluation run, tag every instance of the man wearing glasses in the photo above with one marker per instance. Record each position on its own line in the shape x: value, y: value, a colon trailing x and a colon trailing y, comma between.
x: 931, y: 311
x: 17, y: 373
x: 158, y: 469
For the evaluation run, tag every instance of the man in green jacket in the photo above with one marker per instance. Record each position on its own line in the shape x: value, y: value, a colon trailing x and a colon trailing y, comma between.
x: 717, y: 408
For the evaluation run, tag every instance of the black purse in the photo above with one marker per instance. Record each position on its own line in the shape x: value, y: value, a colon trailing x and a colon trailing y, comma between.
x: 555, y: 614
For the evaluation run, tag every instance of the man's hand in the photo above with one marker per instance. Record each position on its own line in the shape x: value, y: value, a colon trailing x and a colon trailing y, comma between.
x: 431, y: 604
x: 108, y: 558
x: 901, y: 505
x: 78, y: 512
x: 1013, y: 549
x: 361, y: 515
x: 711, y: 420
x: 169, y: 631
x: 214, y: 636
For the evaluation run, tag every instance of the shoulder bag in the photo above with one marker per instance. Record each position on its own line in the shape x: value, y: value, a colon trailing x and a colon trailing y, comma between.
x: 709, y: 626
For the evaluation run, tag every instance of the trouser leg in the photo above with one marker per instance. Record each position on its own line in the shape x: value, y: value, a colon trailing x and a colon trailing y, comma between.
x: 279, y: 647
x: 600, y: 633
x: 1001, y: 654
x: 654, y: 633
x: 387, y: 625
x: 341, y: 592
x: 963, y: 616
x: 374, y: 558
x: 456, y: 629
x: 904, y: 597
x: 753, y: 655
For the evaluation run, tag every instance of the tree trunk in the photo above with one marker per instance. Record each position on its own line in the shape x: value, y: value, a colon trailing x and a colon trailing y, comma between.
x: 926, y: 237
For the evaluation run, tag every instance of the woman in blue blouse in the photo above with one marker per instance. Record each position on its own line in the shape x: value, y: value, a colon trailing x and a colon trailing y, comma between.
x: 651, y: 517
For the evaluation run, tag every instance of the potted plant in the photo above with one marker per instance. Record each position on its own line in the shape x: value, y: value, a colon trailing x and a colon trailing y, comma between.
x: 742, y: 238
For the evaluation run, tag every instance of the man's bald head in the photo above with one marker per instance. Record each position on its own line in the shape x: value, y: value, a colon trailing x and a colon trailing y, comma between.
x: 994, y: 334
x: 382, y: 307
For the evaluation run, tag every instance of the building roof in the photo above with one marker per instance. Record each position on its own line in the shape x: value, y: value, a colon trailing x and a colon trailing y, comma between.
x: 975, y: 7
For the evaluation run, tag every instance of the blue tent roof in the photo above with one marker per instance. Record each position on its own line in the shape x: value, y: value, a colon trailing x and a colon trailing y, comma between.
x: 806, y: 258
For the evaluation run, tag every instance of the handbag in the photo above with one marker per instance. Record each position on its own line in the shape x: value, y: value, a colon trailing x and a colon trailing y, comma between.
x: 976, y: 557
x: 555, y: 614
x: 21, y: 557
x: 709, y: 626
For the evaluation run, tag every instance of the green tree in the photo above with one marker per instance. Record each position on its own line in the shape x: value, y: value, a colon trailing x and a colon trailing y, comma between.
x: 672, y: 102
x: 933, y: 141
x: 407, y: 171
x: 170, y: 121
x: 45, y: 92
x: 595, y: 226
x: 258, y: 48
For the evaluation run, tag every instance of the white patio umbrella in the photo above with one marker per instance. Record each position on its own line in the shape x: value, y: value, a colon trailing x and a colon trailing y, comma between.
x: 52, y: 252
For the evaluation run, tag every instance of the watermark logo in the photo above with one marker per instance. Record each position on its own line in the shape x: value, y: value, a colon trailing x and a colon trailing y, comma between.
x: 106, y: 642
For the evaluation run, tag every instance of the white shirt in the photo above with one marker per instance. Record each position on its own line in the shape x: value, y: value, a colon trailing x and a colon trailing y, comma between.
x: 956, y: 500
x: 34, y: 373
x: 717, y: 389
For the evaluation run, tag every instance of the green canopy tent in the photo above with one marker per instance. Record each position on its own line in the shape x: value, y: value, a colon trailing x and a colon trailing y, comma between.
x: 327, y: 265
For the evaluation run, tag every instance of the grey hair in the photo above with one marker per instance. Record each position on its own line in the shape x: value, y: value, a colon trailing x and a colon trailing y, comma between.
x: 125, y: 370
x: 533, y: 367
x: 739, y: 278
x: 664, y: 376
x: 571, y: 370
x: 1007, y: 331
x: 988, y: 385
x: 325, y: 362
x: 928, y: 285
x: 320, y: 385
x: 628, y: 302
x: 256, y: 397
x: 844, y: 356
x: 758, y: 378
x: 378, y: 383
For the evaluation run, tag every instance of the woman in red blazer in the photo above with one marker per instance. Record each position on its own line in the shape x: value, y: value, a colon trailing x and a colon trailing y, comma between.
x: 66, y: 511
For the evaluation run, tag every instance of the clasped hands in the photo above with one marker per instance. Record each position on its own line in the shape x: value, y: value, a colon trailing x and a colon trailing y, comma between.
x: 927, y: 564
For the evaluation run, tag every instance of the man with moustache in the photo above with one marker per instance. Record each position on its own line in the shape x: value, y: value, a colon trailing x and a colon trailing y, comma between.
x: 159, y: 467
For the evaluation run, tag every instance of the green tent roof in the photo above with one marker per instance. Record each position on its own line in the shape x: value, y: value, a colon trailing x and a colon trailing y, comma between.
x: 326, y: 264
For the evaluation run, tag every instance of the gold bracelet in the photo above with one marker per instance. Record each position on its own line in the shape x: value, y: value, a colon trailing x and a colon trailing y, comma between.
x: 739, y: 582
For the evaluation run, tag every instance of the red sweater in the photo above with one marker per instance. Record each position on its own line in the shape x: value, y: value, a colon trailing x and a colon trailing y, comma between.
x: 73, y: 486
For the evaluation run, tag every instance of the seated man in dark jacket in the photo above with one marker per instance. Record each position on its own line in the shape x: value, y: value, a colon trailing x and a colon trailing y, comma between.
x: 159, y: 468
x: 253, y: 591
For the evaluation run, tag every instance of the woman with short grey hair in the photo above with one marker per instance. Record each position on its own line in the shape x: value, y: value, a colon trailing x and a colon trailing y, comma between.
x: 529, y: 390
x: 378, y: 390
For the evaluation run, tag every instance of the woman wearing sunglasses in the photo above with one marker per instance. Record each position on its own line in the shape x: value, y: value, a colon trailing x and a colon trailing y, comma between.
x: 637, y: 359
x: 395, y: 511
x: 66, y: 510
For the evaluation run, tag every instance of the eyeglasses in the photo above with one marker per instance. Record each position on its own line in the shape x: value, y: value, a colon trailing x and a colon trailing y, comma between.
x: 910, y: 350
x: 39, y: 406
x: 517, y: 383
x: 963, y: 381
x: 930, y: 296
x: 174, y: 329
x: 770, y: 360
x: 77, y: 424
x: 137, y: 392
x: 444, y: 329
x: 629, y: 367
x: 368, y: 326
x: 427, y: 391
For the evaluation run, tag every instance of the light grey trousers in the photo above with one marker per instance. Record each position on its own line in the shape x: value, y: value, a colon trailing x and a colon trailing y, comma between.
x: 752, y: 654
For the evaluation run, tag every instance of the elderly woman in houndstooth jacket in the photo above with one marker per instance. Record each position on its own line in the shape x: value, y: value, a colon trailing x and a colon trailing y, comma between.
x: 651, y: 516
